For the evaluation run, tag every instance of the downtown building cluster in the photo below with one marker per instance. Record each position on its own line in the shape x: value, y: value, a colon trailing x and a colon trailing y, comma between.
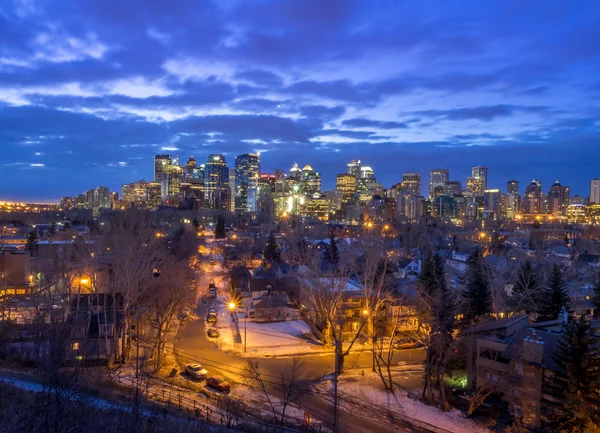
x: 357, y: 196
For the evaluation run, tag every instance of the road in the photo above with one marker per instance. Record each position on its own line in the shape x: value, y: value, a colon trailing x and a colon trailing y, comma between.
x: 191, y: 345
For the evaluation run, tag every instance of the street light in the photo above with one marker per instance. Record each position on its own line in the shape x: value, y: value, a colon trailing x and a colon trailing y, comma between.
x: 232, y: 307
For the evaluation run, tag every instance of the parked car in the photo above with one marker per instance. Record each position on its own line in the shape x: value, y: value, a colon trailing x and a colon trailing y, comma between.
x: 185, y: 314
x: 212, y: 332
x: 211, y: 317
x: 212, y: 293
x: 406, y: 343
x: 196, y: 371
x: 218, y: 383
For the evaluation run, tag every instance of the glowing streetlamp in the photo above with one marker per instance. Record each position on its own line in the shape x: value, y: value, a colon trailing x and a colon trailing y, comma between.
x: 232, y: 307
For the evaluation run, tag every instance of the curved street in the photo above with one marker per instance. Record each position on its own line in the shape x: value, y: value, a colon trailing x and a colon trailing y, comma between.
x: 192, y: 345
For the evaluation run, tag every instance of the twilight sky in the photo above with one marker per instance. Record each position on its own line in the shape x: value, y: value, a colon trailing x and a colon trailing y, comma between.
x: 91, y: 89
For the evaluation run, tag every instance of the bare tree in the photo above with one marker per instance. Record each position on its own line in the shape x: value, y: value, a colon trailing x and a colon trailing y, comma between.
x: 279, y: 392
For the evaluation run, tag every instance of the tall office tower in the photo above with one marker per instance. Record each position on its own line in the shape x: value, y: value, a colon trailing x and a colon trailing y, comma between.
x: 141, y: 194
x: 114, y: 200
x: 231, y: 207
x: 477, y: 183
x: 267, y: 184
x: 216, y: 183
x: 354, y: 168
x: 595, y: 191
x: 411, y: 183
x: 452, y: 188
x: 160, y: 162
x: 492, y: 200
x: 437, y: 178
x: 346, y: 184
x: 279, y: 180
x: 247, y: 173
x: 558, y: 199
x: 191, y: 168
x: 101, y: 198
x: 172, y: 177
x: 367, y: 177
x: 512, y: 187
x: 532, y: 199
x: 311, y: 181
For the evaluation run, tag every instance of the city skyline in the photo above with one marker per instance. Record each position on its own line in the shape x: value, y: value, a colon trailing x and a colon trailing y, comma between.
x: 86, y: 98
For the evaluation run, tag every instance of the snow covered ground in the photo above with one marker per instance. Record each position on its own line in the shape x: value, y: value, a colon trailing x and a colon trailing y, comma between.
x: 401, y: 403
x: 273, y: 339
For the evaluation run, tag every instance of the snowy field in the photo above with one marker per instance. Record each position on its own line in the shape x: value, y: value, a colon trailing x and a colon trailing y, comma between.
x: 400, y: 403
x: 272, y: 339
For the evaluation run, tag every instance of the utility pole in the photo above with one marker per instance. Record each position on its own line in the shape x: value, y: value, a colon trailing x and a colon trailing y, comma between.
x: 336, y: 414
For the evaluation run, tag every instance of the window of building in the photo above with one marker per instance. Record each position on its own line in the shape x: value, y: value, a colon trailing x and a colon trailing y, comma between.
x: 105, y: 330
x: 75, y: 346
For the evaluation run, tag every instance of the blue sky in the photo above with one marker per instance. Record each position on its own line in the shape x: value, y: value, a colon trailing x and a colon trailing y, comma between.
x: 90, y: 90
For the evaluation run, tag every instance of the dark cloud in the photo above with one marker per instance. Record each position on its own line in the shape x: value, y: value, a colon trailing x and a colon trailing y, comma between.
x: 367, y: 123
x: 487, y: 113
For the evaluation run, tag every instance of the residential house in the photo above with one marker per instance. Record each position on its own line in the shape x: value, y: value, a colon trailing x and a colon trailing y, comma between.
x: 514, y: 357
x: 95, y: 323
x: 409, y: 268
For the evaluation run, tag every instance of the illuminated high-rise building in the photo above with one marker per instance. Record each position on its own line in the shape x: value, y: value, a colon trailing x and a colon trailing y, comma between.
x: 141, y: 194
x: 354, y: 168
x: 512, y: 187
x: 533, y: 198
x: 172, y: 177
x: 190, y: 168
x: 217, y: 193
x: 437, y: 178
x: 478, y: 182
x: 311, y: 181
x: 247, y: 173
x: 411, y: 183
x: 160, y: 163
x: 452, y: 188
x: 595, y: 191
x: 367, y: 177
x: 346, y: 184
x: 558, y: 199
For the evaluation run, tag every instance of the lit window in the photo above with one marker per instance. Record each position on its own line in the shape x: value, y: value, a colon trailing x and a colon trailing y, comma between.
x: 75, y: 346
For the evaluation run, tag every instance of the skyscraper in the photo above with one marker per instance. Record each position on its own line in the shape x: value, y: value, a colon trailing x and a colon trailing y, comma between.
x: 437, y: 178
x: 216, y: 183
x: 160, y: 162
x: 558, y: 199
x: 512, y: 187
x: 411, y: 183
x: 346, y: 184
x: 532, y: 199
x: 452, y: 188
x: 190, y: 168
x: 354, y: 168
x: 247, y: 173
x: 478, y: 182
x: 595, y: 191
x: 172, y: 176
x: 311, y: 181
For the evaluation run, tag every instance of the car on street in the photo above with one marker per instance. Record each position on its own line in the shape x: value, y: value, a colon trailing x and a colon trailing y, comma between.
x: 211, y: 284
x: 184, y: 314
x: 218, y: 383
x: 212, y: 332
x: 211, y: 317
x: 196, y: 371
x: 406, y: 343
x: 212, y: 293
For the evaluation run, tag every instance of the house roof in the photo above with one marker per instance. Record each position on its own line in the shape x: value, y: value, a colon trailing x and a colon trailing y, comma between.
x: 271, y: 301
x: 514, y: 350
x: 497, y: 324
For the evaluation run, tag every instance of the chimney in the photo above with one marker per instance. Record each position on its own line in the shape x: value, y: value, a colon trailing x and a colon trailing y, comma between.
x: 533, y: 350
